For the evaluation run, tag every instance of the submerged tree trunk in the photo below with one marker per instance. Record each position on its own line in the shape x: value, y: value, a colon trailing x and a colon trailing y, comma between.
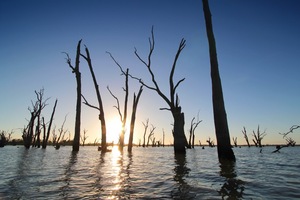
x: 46, y: 136
x: 76, y: 141
x: 100, y: 104
x: 221, y: 126
x: 180, y: 141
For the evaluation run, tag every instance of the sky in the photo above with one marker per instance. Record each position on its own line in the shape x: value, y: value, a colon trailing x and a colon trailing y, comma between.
x: 258, y: 54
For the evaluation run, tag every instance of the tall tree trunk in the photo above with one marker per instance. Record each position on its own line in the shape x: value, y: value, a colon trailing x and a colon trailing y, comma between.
x: 76, y: 141
x: 100, y: 104
x: 221, y: 126
x: 46, y: 137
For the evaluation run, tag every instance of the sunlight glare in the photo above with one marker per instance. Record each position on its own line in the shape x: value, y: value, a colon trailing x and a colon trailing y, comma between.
x: 114, y: 127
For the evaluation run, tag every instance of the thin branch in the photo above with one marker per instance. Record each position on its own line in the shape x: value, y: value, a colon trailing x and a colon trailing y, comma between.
x: 123, y: 72
x: 290, y: 131
x: 88, y: 104
x: 118, y: 103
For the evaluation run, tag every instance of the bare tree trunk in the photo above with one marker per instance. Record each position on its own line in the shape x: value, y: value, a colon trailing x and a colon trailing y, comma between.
x: 180, y: 141
x: 246, y: 136
x: 76, y: 141
x: 28, y: 132
x: 145, y: 131
x: 221, y: 126
x: 100, y: 104
x: 132, y: 122
x: 46, y: 137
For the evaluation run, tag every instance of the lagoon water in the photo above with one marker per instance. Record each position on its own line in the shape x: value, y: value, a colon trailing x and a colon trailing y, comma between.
x: 148, y: 173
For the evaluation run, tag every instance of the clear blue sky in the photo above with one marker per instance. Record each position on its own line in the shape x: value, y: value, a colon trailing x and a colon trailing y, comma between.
x: 258, y: 51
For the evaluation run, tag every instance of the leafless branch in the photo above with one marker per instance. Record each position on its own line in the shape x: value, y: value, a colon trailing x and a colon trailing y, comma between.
x: 88, y: 104
x: 118, y: 103
x: 290, y: 131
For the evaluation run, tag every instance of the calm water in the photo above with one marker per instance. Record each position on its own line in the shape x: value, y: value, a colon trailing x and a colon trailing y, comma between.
x: 148, y: 173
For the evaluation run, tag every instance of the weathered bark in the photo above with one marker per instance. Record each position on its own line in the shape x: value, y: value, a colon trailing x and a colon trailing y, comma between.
x: 76, y: 141
x: 221, y: 126
x: 180, y: 141
x: 133, y: 116
x: 100, y: 104
x: 46, y: 136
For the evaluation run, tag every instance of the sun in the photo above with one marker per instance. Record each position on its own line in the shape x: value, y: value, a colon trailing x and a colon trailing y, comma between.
x: 114, y: 127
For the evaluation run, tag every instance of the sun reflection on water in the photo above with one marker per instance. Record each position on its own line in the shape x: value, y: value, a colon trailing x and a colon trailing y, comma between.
x: 116, y: 168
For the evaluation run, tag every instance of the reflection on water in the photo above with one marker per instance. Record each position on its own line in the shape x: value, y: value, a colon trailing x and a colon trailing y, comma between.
x: 233, y: 188
x: 69, y: 171
x: 147, y: 173
x: 181, y: 171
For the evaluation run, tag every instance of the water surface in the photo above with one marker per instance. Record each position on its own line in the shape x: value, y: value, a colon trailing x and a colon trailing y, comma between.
x: 148, y: 173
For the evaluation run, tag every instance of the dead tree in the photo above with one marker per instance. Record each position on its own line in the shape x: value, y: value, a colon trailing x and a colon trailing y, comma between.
x: 40, y: 105
x: 3, y: 139
x: 28, y: 132
x: 192, y: 132
x: 290, y: 131
x: 151, y: 134
x: 290, y: 142
x: 95, y: 141
x: 123, y: 117
x: 145, y: 131
x: 246, y: 136
x: 163, y: 141
x: 258, y: 136
x: 210, y: 142
x: 134, y: 107
x: 133, y: 116
x: 225, y: 151
x: 234, y: 141
x: 47, y: 134
x: 180, y: 141
x: 61, y: 135
x: 76, y: 71
x: 100, y: 104
x: 84, y: 137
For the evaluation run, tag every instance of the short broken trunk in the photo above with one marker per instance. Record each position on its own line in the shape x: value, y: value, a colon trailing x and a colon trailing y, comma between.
x: 180, y: 141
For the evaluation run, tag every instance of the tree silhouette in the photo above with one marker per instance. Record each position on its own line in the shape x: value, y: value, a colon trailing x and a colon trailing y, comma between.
x: 246, y: 136
x: 180, y: 141
x: 192, y: 132
x: 258, y: 136
x: 133, y: 116
x: 100, y: 104
x: 146, y: 125
x: 221, y: 126
x: 75, y: 70
x: 47, y: 134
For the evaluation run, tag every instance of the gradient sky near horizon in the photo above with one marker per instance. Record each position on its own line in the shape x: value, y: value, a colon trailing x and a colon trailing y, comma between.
x: 258, y: 50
